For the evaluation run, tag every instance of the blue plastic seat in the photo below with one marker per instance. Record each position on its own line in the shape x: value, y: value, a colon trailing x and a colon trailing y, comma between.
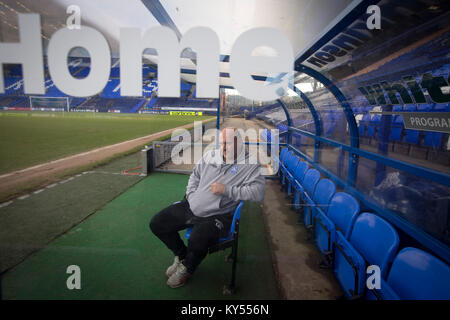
x: 341, y: 215
x: 373, y: 241
x: 433, y: 139
x: 299, y: 175
x: 384, y: 293
x: 396, y: 131
x: 283, y: 154
x: 231, y: 240
x: 367, y: 109
x: 397, y: 125
x: 411, y: 136
x: 441, y: 107
x: 283, y: 165
x: 282, y: 160
x: 424, y: 107
x: 312, y: 177
x: 328, y: 128
x: 322, y: 195
x: 363, y: 123
x: 291, y: 166
x: 373, y: 124
x: 416, y: 275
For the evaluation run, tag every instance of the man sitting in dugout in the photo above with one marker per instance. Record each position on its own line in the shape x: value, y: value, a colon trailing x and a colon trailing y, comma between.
x: 220, y: 180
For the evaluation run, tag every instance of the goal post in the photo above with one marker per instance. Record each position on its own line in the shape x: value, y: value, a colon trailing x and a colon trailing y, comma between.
x: 49, y: 103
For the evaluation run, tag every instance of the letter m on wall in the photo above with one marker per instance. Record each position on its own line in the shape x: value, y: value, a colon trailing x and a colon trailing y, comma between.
x: 202, y: 40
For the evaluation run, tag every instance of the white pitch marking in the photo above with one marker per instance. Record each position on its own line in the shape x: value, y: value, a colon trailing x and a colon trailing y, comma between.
x: 67, y: 180
x: 24, y: 197
x: 5, y: 204
x: 51, y: 186
x: 38, y: 191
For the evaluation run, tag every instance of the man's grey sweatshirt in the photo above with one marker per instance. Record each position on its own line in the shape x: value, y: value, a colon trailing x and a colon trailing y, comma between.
x: 243, y: 181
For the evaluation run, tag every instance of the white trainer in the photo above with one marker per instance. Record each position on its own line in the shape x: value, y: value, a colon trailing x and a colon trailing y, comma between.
x: 171, y: 270
x: 179, y: 278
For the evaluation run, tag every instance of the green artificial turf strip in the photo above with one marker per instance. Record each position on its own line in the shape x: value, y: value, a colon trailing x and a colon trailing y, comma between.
x: 30, y: 224
x: 31, y: 138
x: 121, y: 259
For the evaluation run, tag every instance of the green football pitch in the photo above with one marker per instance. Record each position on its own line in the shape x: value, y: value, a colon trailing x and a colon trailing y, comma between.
x: 30, y: 138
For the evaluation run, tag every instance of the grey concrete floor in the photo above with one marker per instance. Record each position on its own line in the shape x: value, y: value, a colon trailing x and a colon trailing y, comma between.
x: 296, y: 259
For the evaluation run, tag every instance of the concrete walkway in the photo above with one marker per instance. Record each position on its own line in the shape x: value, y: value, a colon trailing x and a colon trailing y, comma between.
x: 296, y: 259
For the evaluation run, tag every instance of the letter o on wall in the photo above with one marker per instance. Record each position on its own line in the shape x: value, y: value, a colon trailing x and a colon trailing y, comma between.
x: 325, y: 56
x: 423, y: 122
x: 59, y: 47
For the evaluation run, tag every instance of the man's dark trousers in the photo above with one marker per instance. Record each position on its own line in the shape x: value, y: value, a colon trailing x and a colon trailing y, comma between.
x: 205, y: 232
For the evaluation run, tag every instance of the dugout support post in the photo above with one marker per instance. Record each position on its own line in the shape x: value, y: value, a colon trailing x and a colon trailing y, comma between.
x: 147, y: 160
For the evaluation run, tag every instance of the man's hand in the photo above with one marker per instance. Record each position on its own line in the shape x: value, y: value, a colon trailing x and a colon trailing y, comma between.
x: 217, y: 188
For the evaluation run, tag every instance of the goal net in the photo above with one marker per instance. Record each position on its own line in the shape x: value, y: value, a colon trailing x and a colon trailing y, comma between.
x: 49, y: 103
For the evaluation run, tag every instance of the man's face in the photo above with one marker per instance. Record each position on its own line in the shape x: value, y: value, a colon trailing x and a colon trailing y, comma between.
x: 230, y: 144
